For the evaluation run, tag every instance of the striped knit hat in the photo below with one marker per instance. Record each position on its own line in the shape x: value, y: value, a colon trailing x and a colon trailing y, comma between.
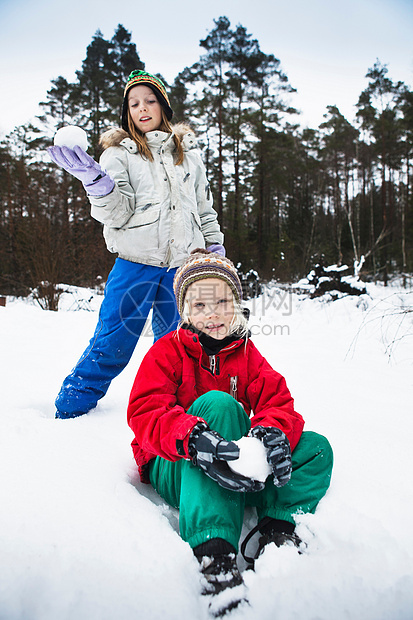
x: 203, y: 264
x: 155, y: 84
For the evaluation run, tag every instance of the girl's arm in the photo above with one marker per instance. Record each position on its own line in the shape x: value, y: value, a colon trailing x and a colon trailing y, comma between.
x: 270, y: 398
x: 161, y: 426
x: 209, y: 217
x: 115, y: 209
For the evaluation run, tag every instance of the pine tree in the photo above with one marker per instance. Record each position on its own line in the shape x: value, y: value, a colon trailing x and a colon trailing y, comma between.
x: 240, y: 94
x: 210, y: 74
x: 94, y: 80
x: 59, y: 108
x: 380, y: 119
x: 406, y: 123
x: 339, y: 154
x: 266, y: 108
x: 101, y: 81
x: 123, y: 58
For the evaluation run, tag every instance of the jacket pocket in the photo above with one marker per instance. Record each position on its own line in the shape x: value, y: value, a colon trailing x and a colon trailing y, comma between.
x: 143, y: 216
x: 197, y: 238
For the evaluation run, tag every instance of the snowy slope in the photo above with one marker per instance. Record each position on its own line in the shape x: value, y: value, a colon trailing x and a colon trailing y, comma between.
x: 82, y: 539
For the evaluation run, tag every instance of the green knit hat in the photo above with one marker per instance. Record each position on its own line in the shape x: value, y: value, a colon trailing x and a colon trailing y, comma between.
x: 155, y: 84
x: 202, y: 264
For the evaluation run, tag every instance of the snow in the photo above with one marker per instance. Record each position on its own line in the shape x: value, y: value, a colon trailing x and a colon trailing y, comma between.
x: 83, y: 539
x: 71, y: 136
x: 252, y: 460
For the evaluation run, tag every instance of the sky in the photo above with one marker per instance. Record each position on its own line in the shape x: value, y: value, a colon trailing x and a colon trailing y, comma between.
x: 325, y: 46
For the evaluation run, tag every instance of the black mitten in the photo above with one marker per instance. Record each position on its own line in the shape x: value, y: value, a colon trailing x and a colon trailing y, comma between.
x: 211, y: 453
x: 278, y: 452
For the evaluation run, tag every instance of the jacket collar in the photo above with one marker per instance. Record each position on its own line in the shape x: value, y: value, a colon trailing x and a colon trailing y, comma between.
x: 115, y: 136
x: 189, y: 336
x: 157, y: 139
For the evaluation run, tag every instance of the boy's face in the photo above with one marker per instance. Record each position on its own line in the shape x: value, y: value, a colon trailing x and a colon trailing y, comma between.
x: 211, y: 307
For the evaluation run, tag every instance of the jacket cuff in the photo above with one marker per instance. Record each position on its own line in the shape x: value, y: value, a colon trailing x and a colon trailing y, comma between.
x: 183, y: 446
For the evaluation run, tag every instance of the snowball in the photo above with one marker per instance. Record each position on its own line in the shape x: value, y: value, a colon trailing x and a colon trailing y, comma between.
x: 252, y: 461
x: 71, y: 136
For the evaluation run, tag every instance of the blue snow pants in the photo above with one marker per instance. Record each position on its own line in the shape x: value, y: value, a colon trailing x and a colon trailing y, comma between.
x: 132, y: 289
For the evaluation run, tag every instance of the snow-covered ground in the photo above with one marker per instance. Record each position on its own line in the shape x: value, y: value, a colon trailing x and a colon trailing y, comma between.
x: 82, y: 539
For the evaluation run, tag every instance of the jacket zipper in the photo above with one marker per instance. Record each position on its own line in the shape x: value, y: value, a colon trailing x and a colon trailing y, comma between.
x: 233, y: 386
x: 214, y: 364
x: 214, y: 360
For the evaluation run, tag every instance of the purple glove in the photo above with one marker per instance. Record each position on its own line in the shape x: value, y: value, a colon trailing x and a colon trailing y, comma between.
x: 217, y: 248
x: 95, y: 180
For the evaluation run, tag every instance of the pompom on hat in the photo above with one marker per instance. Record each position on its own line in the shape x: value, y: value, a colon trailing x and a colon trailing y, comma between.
x: 202, y: 264
x: 155, y: 84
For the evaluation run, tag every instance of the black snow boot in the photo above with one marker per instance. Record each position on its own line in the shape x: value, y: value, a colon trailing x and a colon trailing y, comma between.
x: 220, y: 572
x: 273, y: 531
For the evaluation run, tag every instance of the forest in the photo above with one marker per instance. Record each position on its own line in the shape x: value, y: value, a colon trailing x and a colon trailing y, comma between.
x: 288, y: 198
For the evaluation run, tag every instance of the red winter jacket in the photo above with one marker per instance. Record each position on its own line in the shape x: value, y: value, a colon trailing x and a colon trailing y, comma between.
x: 177, y: 370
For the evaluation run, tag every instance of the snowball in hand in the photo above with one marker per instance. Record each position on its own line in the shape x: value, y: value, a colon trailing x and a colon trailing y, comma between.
x: 252, y: 461
x: 71, y: 136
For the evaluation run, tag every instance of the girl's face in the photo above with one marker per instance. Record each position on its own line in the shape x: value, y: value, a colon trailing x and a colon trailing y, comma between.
x: 144, y: 108
x: 211, y: 307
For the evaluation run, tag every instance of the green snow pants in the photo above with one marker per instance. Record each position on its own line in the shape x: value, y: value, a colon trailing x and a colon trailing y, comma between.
x: 206, y: 510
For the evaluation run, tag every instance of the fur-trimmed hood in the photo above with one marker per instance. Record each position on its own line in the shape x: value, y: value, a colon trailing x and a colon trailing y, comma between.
x: 115, y: 136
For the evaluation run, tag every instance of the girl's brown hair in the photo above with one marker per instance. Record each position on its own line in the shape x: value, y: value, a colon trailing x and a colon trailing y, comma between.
x: 142, y: 144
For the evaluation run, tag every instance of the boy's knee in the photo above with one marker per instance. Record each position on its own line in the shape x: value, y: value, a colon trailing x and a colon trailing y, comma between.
x: 216, y: 398
x: 324, y: 447
x: 223, y: 414
x: 322, y: 451
x: 314, y: 446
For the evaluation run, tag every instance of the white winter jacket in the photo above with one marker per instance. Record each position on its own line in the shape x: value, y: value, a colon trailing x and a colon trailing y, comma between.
x: 157, y: 212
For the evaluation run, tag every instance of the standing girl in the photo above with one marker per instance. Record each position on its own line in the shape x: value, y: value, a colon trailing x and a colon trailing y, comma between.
x: 197, y: 391
x: 152, y: 196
